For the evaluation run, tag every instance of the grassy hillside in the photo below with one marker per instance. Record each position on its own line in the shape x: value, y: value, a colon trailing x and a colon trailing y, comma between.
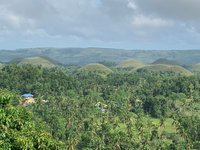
x: 95, y: 67
x: 92, y: 55
x: 44, y: 62
x: 156, y: 68
x: 131, y: 64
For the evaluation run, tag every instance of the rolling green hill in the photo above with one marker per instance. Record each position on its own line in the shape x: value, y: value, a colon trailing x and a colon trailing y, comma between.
x: 95, y: 67
x: 162, y: 68
x: 83, y: 56
x: 131, y: 64
x: 44, y: 62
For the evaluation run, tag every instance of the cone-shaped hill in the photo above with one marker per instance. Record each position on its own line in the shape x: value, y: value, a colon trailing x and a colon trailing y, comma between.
x: 162, y: 68
x: 195, y: 68
x: 130, y: 64
x: 44, y: 62
x: 96, y: 67
x: 1, y: 65
x: 165, y: 61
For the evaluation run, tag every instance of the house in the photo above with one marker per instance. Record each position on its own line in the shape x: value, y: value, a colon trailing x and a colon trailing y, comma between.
x: 136, y: 102
x: 44, y: 101
x: 101, y: 106
x: 27, y: 95
x: 27, y: 99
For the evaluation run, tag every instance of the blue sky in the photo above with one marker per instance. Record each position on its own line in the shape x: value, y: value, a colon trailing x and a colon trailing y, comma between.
x: 129, y: 24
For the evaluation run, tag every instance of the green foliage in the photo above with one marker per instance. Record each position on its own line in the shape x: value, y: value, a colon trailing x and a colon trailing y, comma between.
x: 81, y: 110
x: 17, y: 128
x: 5, y: 98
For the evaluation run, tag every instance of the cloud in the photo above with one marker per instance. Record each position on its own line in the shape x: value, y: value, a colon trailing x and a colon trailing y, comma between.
x: 182, y: 10
x: 132, y: 5
x: 127, y: 22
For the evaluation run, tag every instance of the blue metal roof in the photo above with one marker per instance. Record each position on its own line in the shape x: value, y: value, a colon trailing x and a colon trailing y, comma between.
x: 27, y: 95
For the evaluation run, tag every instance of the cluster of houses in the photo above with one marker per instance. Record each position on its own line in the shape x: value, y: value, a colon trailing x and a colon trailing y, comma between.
x: 28, y: 99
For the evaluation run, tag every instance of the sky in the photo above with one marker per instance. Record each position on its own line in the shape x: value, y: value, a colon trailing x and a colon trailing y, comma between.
x: 128, y: 24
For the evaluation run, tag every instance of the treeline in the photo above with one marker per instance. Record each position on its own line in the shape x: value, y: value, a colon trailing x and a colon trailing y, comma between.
x: 87, y: 111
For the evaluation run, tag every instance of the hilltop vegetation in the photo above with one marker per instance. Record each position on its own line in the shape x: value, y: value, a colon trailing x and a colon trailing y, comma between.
x: 85, y: 110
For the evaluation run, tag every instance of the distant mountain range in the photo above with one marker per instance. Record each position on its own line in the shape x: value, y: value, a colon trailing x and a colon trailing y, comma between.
x: 82, y: 56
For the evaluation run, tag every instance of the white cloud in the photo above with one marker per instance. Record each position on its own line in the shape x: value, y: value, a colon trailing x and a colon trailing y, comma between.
x: 132, y: 5
x: 141, y: 21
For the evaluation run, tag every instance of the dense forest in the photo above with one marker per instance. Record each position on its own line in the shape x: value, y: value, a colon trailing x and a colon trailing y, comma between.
x: 88, y: 110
